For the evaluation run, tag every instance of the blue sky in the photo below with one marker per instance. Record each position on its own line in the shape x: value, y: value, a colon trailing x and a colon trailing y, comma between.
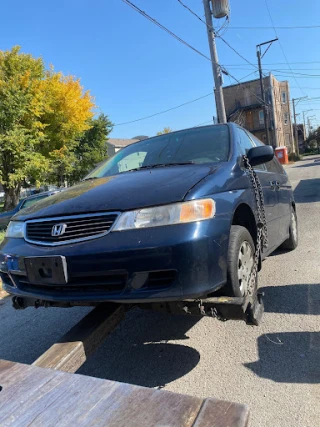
x: 134, y: 69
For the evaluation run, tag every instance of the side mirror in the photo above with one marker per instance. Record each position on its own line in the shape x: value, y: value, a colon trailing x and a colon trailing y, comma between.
x: 259, y: 155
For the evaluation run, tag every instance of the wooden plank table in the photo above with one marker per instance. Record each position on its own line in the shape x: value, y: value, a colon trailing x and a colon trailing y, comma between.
x: 34, y: 396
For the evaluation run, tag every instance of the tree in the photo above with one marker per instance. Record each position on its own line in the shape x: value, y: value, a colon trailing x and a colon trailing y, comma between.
x: 42, y: 116
x: 92, y: 148
x: 66, y: 116
x: 21, y: 130
x: 165, y: 130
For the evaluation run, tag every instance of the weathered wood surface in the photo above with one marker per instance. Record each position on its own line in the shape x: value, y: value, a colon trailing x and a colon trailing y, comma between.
x: 33, y: 396
x: 82, y: 340
x: 219, y: 413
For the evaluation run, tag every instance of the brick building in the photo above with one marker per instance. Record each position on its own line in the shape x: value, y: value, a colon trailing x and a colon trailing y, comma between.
x: 243, y: 103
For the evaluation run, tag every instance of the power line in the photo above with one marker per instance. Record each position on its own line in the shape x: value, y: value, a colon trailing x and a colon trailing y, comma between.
x: 246, y: 67
x: 295, y: 73
x: 194, y: 14
x: 280, y: 74
x: 235, y: 51
x: 165, y: 111
x: 154, y: 21
x: 204, y: 123
x: 278, y: 63
x: 200, y: 19
x: 280, y: 44
x: 293, y: 27
x: 307, y: 88
x: 217, y: 35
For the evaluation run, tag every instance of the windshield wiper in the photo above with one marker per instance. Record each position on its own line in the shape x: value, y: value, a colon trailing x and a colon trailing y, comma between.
x: 162, y: 165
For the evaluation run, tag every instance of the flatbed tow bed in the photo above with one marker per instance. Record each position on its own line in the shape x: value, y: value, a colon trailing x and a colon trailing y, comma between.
x: 49, y: 393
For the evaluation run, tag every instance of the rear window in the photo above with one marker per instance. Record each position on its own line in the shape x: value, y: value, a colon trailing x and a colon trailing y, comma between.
x: 210, y: 144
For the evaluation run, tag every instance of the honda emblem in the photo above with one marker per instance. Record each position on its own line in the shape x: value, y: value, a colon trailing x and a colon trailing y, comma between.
x: 58, y: 230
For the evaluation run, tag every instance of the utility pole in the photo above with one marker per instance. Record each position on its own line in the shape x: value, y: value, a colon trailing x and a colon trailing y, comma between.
x: 304, y: 120
x: 309, y: 122
x: 263, y: 94
x: 294, y: 104
x: 221, y: 112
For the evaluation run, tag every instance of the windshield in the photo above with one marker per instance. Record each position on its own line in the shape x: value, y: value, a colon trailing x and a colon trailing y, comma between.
x: 197, y: 145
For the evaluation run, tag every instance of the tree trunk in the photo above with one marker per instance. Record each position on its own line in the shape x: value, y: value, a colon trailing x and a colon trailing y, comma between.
x: 11, y: 197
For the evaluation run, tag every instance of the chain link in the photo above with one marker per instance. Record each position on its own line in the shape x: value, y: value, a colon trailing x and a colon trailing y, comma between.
x: 262, y: 233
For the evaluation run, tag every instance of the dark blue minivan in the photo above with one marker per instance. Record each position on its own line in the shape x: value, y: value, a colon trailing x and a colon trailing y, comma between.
x: 169, y: 218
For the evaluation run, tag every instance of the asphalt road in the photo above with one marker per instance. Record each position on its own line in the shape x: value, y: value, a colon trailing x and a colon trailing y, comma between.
x: 273, y: 368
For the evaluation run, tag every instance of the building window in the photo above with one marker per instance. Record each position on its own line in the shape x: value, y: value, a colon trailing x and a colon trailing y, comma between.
x: 261, y: 117
x: 286, y: 118
x: 284, y: 97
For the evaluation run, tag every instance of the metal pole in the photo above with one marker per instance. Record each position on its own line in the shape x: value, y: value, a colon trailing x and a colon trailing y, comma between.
x: 309, y: 125
x: 295, y: 126
x: 304, y: 121
x: 221, y: 112
x: 265, y: 110
x: 304, y: 125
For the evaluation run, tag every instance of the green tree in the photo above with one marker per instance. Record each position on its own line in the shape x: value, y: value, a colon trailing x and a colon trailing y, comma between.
x: 165, y: 130
x: 92, y: 148
x: 42, y: 116
x: 21, y: 131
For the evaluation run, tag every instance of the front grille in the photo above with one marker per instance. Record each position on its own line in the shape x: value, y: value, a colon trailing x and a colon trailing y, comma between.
x: 74, y: 228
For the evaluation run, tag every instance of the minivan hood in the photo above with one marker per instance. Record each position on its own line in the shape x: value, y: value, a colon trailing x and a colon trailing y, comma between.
x: 122, y: 192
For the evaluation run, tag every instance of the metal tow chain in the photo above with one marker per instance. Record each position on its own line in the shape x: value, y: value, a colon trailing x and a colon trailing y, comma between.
x: 262, y: 233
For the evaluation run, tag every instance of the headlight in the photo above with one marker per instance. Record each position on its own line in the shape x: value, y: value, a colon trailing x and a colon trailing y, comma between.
x: 15, y: 229
x: 178, y: 213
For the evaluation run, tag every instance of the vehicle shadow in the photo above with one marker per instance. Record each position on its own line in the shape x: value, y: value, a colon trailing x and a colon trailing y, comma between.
x: 307, y: 191
x: 136, y: 352
x: 316, y: 162
x: 288, y: 357
x: 292, y: 299
x: 310, y: 158
x: 141, y: 341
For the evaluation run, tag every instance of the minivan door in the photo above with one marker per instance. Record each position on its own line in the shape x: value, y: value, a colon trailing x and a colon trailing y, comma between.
x: 270, y: 193
x: 284, y: 190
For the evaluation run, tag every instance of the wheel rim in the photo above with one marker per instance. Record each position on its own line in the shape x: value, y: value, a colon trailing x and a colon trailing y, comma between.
x: 294, y: 227
x: 245, y: 264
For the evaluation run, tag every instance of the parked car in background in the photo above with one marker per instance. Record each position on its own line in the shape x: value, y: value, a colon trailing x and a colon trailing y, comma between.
x: 5, y: 217
x: 31, y: 191
x: 169, y: 218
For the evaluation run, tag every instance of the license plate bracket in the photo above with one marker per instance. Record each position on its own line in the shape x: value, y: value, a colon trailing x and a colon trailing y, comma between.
x: 47, y: 270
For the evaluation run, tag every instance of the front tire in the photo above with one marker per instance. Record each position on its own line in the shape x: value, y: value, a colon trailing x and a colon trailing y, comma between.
x: 240, y: 261
x: 292, y: 242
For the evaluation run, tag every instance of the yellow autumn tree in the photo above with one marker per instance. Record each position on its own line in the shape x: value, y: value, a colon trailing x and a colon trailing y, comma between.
x: 67, y: 115
x: 164, y: 131
x: 43, y: 115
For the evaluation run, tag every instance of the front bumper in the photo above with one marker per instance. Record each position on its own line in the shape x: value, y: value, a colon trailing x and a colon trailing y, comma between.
x: 147, y: 265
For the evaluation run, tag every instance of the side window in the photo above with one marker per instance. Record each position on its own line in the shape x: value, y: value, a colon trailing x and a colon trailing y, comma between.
x: 273, y: 167
x: 133, y: 161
